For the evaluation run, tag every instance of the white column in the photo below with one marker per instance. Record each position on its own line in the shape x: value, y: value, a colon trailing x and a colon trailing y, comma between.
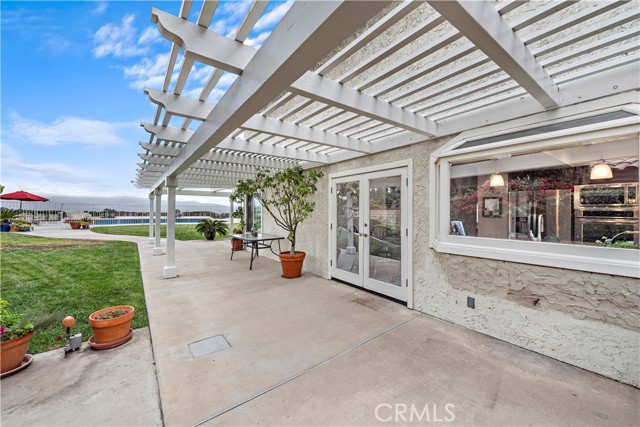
x: 152, y: 239
x: 170, y: 265
x: 157, y: 249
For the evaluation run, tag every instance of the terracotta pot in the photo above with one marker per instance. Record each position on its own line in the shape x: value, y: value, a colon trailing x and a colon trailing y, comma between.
x: 12, y: 352
x: 111, y: 330
x: 236, y: 245
x: 291, y: 264
x: 74, y: 225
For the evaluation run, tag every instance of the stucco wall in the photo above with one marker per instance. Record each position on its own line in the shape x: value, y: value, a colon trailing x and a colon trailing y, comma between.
x: 585, y: 319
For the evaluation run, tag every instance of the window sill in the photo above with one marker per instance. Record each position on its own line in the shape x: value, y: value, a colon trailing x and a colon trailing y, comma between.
x: 613, y: 261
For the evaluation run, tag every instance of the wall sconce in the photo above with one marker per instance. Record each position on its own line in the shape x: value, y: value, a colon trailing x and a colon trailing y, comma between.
x: 496, y: 180
x: 601, y: 171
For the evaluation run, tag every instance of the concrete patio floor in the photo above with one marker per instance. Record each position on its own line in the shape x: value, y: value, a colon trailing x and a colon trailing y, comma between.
x: 114, y: 387
x: 314, y: 352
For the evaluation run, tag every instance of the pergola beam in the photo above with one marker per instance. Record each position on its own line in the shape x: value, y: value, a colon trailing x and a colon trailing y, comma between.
x: 222, y: 156
x: 244, y: 146
x: 168, y: 133
x: 178, y: 105
x: 481, y: 23
x: 321, y: 89
x: 307, y: 33
x: 202, y: 44
x: 259, y: 123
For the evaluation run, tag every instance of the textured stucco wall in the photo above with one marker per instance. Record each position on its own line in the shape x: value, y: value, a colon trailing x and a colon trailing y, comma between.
x: 586, y: 319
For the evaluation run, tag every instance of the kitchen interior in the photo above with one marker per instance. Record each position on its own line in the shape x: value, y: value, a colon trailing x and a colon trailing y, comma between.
x: 558, y: 196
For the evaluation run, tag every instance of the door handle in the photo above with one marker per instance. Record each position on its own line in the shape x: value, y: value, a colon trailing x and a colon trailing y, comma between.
x: 365, y: 235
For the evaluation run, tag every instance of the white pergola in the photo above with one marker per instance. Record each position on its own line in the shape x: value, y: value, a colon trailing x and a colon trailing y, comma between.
x: 337, y: 80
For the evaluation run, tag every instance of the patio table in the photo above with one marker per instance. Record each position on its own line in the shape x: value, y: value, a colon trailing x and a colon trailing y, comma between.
x: 261, y: 241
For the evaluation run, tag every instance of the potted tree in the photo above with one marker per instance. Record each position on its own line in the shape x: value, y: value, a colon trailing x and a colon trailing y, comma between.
x: 210, y: 227
x: 286, y: 195
x: 236, y: 245
x: 15, y: 336
x: 111, y: 326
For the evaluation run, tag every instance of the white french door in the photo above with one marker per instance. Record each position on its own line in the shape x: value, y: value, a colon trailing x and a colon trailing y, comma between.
x: 369, y: 231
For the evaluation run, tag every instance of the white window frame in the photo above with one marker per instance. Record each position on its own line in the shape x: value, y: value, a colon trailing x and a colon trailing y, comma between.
x: 614, y: 261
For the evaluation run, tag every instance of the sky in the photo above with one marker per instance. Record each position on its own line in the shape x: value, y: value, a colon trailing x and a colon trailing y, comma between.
x: 72, y: 79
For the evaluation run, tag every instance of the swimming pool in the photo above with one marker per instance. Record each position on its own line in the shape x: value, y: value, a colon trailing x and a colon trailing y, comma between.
x: 135, y: 221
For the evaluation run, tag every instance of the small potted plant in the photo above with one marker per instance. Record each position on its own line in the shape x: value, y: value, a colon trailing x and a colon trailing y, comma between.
x: 15, y: 335
x: 85, y: 223
x: 75, y: 224
x: 210, y: 227
x: 286, y: 195
x: 20, y: 225
x: 111, y: 326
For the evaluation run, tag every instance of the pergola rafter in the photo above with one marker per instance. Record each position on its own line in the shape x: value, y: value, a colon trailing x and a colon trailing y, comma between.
x: 292, y: 104
x: 484, y: 27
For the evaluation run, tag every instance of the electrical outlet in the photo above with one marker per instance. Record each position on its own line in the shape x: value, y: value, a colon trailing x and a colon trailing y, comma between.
x: 471, y: 302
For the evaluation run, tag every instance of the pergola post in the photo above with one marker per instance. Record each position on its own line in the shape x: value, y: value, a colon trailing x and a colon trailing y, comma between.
x: 170, y: 265
x: 151, y: 219
x: 157, y: 249
x: 230, y: 217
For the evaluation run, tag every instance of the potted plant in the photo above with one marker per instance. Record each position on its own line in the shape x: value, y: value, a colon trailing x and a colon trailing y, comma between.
x: 210, y: 227
x: 111, y: 326
x: 236, y: 245
x: 15, y: 335
x: 85, y: 223
x: 286, y: 195
x: 20, y: 225
x: 7, y: 215
x: 75, y: 224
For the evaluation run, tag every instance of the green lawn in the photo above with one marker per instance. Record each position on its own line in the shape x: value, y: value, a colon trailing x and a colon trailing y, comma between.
x: 183, y: 231
x: 69, y: 278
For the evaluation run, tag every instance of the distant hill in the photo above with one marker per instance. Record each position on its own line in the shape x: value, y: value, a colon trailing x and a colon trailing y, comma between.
x: 127, y: 203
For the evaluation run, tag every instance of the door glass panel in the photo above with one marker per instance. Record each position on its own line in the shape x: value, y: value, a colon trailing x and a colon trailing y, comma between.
x: 347, y: 234
x: 385, y: 234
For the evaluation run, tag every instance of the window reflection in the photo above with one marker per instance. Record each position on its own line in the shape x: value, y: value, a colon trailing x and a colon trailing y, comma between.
x: 550, y: 196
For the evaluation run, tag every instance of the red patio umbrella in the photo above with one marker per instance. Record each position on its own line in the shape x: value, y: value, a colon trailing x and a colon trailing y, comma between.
x: 23, y: 196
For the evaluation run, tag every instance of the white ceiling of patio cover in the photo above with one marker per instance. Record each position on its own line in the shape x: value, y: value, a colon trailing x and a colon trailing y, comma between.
x: 413, y: 72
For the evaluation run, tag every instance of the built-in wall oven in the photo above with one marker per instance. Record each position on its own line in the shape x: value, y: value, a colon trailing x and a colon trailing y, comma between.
x: 606, y: 210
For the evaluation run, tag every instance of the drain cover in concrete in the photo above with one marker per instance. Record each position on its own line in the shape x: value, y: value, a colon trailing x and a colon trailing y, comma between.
x: 208, y: 346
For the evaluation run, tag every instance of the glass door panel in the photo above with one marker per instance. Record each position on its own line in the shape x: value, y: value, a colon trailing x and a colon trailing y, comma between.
x: 347, y: 236
x: 385, y: 230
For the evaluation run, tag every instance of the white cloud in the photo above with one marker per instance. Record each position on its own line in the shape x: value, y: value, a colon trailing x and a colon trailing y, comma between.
x: 55, y: 44
x: 273, y: 17
x: 232, y: 12
x: 258, y: 40
x: 121, y: 40
x: 18, y: 173
x: 67, y: 130
x: 148, y: 72
x: 216, y: 95
x: 100, y: 8
x: 149, y: 35
x: 192, y: 93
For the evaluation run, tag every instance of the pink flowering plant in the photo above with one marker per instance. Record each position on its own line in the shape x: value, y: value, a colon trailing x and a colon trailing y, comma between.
x: 13, y: 325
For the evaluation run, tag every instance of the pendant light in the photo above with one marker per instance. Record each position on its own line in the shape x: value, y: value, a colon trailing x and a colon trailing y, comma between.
x: 601, y: 170
x: 496, y: 180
